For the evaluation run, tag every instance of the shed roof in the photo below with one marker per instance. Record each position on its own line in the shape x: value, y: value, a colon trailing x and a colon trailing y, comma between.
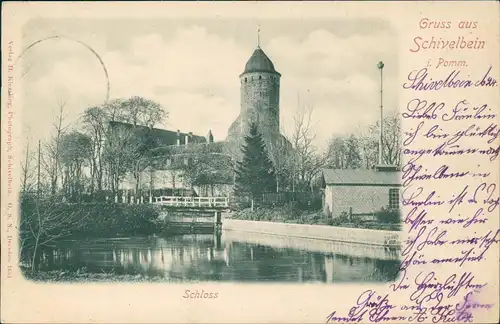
x: 365, y: 177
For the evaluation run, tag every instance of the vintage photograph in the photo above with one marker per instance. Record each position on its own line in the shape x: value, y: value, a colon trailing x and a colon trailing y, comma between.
x: 210, y: 150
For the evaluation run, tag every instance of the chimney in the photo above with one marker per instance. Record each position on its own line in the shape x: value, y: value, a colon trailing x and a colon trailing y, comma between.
x: 190, y: 135
x: 186, y: 139
x: 210, y: 137
x: 178, y: 137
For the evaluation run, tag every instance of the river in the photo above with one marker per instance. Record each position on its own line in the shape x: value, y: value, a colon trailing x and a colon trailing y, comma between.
x: 231, y: 257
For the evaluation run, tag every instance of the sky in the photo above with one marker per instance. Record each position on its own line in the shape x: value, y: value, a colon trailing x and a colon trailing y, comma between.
x: 192, y: 68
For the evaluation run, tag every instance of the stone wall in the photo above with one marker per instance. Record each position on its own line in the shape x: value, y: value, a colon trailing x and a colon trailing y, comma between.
x: 312, y: 245
x: 332, y: 233
x: 260, y: 94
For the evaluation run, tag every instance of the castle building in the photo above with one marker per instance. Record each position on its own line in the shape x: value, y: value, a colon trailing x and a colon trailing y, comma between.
x: 259, y: 104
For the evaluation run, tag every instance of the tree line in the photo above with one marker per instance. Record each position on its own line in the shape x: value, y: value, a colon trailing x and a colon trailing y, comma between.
x: 98, y: 152
x: 297, y: 169
x: 92, y: 156
x: 360, y: 149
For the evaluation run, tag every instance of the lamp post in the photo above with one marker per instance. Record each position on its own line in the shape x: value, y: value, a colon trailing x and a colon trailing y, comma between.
x: 380, y: 66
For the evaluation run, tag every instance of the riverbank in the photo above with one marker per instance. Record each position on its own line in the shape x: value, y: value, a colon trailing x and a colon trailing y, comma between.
x: 47, y: 221
x: 59, y: 219
x: 80, y: 276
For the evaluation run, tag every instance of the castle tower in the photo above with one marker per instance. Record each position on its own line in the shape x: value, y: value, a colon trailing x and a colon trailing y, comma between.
x: 260, y: 95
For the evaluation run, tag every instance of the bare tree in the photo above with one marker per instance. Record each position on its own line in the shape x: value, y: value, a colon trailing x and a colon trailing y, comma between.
x: 116, y: 156
x: 202, y: 165
x: 343, y: 152
x: 129, y: 142
x: 368, y: 146
x: 361, y: 149
x: 27, y: 170
x: 306, y: 160
x: 368, y: 139
x: 141, y: 111
x: 75, y: 153
x: 281, y: 156
x: 51, y: 157
x: 44, y: 221
x: 392, y: 139
x: 95, y: 119
x: 141, y: 148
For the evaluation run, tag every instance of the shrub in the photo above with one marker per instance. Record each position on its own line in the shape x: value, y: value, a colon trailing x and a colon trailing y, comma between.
x: 291, y: 210
x: 120, y: 219
x: 331, y: 222
x: 101, y: 219
x: 293, y: 216
x: 388, y: 215
x: 316, y: 218
x: 339, y: 221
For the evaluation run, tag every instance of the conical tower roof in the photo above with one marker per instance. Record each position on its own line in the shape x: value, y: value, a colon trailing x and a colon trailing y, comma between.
x: 259, y: 62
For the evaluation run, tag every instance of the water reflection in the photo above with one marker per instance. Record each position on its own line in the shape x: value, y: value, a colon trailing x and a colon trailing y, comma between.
x: 216, y: 258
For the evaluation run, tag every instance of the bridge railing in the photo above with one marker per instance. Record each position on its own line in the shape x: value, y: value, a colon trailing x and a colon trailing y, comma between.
x: 177, y: 201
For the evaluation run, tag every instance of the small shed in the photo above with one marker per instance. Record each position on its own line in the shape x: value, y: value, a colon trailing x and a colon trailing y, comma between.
x: 360, y: 191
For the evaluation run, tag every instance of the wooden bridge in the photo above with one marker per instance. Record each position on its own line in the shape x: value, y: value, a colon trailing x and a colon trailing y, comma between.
x: 193, y: 202
x: 198, y: 207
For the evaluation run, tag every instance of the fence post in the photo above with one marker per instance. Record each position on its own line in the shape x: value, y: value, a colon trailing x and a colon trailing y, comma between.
x: 218, y: 222
x: 350, y: 213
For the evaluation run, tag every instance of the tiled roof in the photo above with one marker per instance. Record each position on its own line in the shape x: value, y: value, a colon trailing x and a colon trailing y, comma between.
x: 165, y: 137
x: 361, y: 177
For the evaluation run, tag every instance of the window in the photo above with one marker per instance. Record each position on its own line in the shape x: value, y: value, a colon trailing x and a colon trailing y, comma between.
x: 246, y: 79
x: 394, y: 198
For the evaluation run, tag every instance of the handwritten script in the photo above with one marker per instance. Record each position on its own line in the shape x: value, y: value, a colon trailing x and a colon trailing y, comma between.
x: 450, y: 190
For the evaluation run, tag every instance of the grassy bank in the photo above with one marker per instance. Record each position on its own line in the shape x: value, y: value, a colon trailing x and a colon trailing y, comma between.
x: 80, y: 276
x: 55, y: 219
x: 291, y: 214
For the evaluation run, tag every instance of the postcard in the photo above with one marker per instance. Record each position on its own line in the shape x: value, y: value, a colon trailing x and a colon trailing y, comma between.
x: 250, y: 162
